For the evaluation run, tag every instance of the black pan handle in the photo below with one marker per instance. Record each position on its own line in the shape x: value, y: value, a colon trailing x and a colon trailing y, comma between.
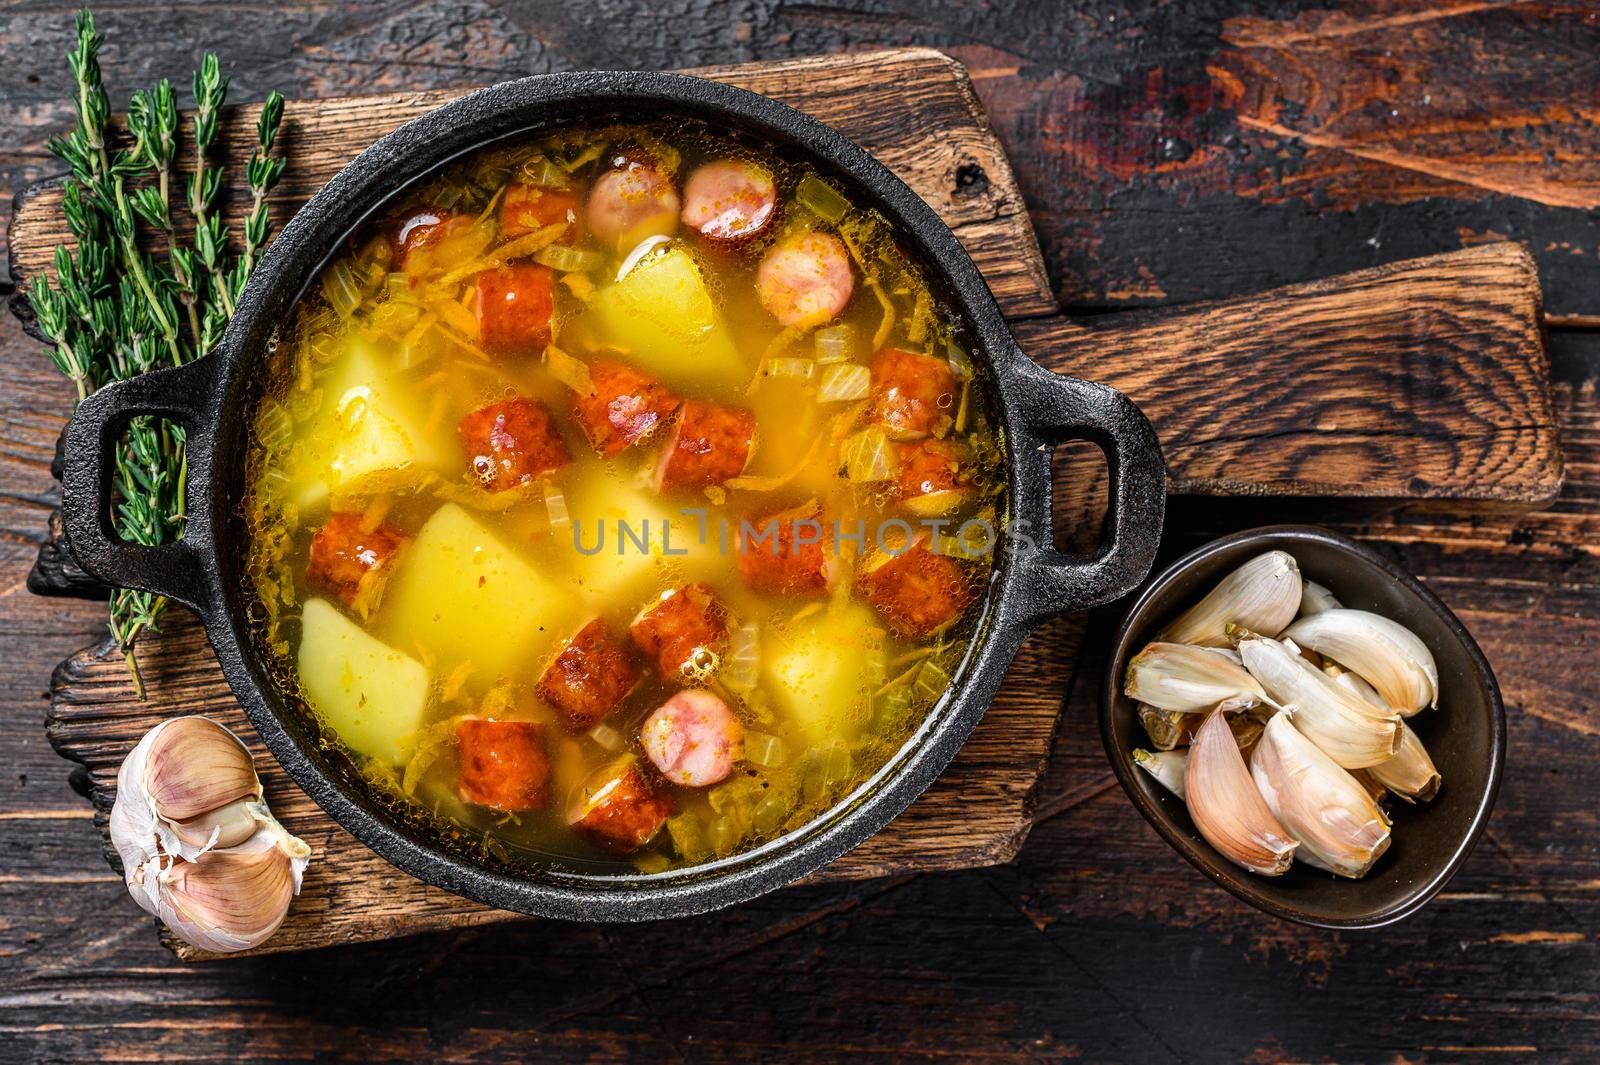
x: 185, y: 395
x: 1055, y: 409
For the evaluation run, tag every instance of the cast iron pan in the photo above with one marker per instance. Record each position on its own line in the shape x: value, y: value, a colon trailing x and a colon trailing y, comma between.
x: 211, y: 399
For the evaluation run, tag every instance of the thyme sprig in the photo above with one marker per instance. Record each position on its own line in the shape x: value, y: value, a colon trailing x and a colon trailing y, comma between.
x: 130, y: 294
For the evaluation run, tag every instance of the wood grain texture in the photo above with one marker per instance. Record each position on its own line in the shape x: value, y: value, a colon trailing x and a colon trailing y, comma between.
x: 977, y: 813
x: 1421, y: 380
x: 914, y: 109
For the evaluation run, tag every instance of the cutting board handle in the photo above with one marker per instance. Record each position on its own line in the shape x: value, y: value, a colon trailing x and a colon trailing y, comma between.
x: 1414, y: 381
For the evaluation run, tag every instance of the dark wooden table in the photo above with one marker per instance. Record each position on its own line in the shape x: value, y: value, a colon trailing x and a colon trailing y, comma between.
x: 1170, y: 151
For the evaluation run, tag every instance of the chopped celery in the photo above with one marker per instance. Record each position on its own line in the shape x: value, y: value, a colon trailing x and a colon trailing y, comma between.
x: 821, y: 197
x: 868, y: 456
x: 542, y: 172
x: 341, y: 288
x: 565, y: 260
x: 844, y: 382
x: 765, y: 750
x: 835, y: 343
x: 790, y: 369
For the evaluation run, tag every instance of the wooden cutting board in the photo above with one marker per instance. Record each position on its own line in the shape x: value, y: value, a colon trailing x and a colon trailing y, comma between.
x: 1424, y: 380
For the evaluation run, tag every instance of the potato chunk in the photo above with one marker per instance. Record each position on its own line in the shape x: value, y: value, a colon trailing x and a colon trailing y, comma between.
x: 464, y: 596
x: 663, y: 318
x: 619, y: 569
x: 370, y: 694
x: 821, y: 670
x: 368, y: 435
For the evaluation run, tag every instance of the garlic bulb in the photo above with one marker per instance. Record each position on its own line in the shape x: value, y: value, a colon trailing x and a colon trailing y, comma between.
x: 1350, y: 730
x: 1226, y: 807
x: 1410, y: 774
x: 1167, y: 767
x: 190, y: 824
x: 1314, y: 599
x: 1339, y: 827
x: 230, y: 899
x: 1262, y: 595
x: 1173, y: 676
x: 1388, y: 655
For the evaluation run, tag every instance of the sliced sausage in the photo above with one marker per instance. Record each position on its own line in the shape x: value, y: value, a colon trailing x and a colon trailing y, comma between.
x: 511, y: 443
x: 675, y: 630
x: 423, y: 229
x: 804, y: 280
x: 929, y: 477
x: 503, y: 764
x: 630, y: 203
x: 910, y: 392
x: 525, y: 208
x: 709, y: 444
x: 625, y: 406
x: 785, y: 554
x: 729, y: 200
x: 693, y: 738
x: 589, y: 677
x: 917, y: 592
x: 514, y: 307
x: 347, y: 560
x: 619, y: 809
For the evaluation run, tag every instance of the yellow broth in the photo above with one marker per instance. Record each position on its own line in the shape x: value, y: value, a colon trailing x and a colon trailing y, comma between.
x: 358, y: 417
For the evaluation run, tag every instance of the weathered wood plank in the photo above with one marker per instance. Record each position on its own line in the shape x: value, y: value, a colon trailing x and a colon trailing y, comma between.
x: 977, y: 813
x: 1420, y: 380
x: 913, y: 108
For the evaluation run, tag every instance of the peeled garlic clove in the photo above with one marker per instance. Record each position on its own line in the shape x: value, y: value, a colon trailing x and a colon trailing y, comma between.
x: 1350, y: 730
x: 230, y: 899
x: 1262, y: 595
x: 1338, y: 825
x: 1314, y: 599
x: 1387, y: 655
x: 1175, y: 676
x: 1410, y: 774
x: 1226, y: 807
x: 1167, y: 767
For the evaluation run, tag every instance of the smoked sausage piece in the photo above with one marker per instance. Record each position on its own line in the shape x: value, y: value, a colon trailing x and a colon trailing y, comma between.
x: 511, y: 443
x: 525, y: 208
x: 918, y: 592
x: 514, y: 307
x: 804, y: 280
x: 693, y: 738
x: 619, y: 809
x: 625, y: 406
x: 673, y: 630
x: 928, y: 477
x: 710, y: 444
x: 785, y: 554
x: 630, y: 203
x: 347, y: 559
x: 503, y: 764
x: 910, y: 392
x: 589, y: 677
x: 729, y: 200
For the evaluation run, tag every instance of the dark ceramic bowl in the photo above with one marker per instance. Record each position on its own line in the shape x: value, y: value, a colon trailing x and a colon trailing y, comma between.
x: 212, y: 398
x: 1465, y: 734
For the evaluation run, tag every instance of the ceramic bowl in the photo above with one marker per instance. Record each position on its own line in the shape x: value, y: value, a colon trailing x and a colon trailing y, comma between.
x: 1465, y: 734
